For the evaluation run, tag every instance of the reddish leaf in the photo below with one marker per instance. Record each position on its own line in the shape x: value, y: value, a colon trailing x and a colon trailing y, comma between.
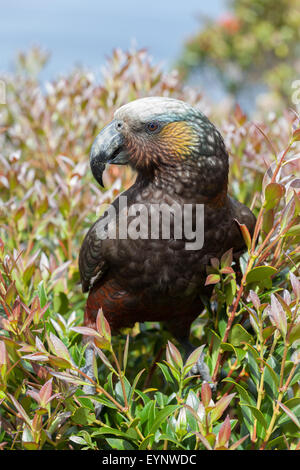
x: 206, y: 394
x: 224, y: 433
x: 212, y: 279
x: 245, y: 233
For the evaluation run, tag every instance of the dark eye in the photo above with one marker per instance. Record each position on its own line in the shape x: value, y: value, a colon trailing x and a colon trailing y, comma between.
x: 152, y: 126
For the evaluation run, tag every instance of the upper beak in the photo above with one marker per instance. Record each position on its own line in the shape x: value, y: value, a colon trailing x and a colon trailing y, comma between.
x: 107, y: 148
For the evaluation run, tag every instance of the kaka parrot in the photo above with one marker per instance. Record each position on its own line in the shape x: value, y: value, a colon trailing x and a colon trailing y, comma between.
x: 180, y: 158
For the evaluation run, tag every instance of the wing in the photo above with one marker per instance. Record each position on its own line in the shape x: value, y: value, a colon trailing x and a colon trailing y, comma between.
x: 92, y: 263
x: 98, y: 247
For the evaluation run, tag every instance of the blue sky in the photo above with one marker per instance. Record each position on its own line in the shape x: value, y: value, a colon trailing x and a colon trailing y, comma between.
x: 85, y: 32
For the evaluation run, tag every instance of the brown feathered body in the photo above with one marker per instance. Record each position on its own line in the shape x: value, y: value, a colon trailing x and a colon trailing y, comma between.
x: 156, y: 279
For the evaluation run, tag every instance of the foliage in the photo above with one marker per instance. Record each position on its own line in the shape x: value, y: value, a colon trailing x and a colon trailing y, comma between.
x: 257, y: 42
x: 250, y: 333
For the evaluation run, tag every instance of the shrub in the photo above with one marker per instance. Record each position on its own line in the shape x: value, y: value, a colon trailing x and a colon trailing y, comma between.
x: 49, y: 199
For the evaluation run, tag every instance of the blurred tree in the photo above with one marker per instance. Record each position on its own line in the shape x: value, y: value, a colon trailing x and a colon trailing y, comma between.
x: 258, y: 42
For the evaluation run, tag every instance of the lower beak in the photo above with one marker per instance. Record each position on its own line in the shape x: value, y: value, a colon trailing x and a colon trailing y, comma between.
x: 107, y: 148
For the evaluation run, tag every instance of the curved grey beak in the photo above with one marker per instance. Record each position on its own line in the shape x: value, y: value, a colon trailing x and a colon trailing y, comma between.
x: 107, y: 148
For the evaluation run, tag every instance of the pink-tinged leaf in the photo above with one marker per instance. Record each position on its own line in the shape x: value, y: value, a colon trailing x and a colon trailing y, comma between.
x: 26, y: 348
x: 245, y: 233
x: 36, y: 357
x: 206, y: 394
x: 27, y: 321
x: 287, y: 297
x: 226, y: 260
x: 59, y: 362
x: 203, y: 440
x: 239, y: 442
x: 58, y: 347
x: 212, y: 279
x: 70, y: 378
x: 100, y: 341
x: 295, y: 285
x: 34, y: 394
x: 253, y: 319
x: 215, y: 263
x: 227, y: 270
x: 193, y: 358
x: 84, y: 330
x: 45, y: 392
x: 39, y: 345
x: 254, y: 299
x: 102, y: 325
x: 221, y: 406
x: 277, y: 315
x: 3, y: 356
x: 20, y: 409
x: 289, y: 413
x: 105, y: 360
x: 175, y: 355
x: 284, y: 305
x: 224, y: 433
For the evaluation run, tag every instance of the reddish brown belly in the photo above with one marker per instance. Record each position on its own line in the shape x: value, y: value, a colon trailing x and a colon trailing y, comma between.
x: 123, y: 309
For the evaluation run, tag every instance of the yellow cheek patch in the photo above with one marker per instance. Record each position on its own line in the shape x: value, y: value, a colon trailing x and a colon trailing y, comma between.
x: 179, y: 138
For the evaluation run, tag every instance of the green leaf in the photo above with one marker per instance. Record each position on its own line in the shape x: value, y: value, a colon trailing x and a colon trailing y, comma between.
x: 102, y: 400
x: 291, y: 409
x: 106, y: 430
x: 253, y: 367
x: 273, y: 194
x: 290, y: 414
x: 227, y: 347
x: 145, y: 442
x: 166, y: 437
x: 271, y: 377
x: 242, y: 392
x: 119, y: 390
x: 119, y: 444
x: 256, y: 413
x: 239, y: 335
x: 260, y: 273
x: 294, y: 333
x: 147, y: 415
x: 83, y: 416
x: 166, y: 372
x: 161, y: 416
x: 134, y: 384
x: 230, y: 291
x: 77, y: 440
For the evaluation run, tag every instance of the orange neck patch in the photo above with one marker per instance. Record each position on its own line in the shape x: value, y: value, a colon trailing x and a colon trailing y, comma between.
x: 178, y: 138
